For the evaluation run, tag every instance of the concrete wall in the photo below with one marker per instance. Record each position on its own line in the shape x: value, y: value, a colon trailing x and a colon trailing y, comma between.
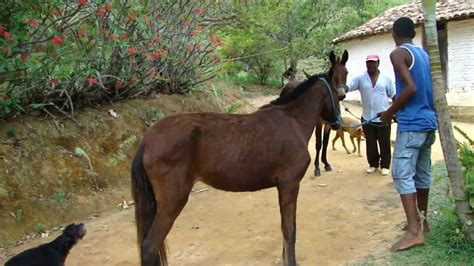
x: 461, y: 56
x: 359, y: 49
x: 460, y: 64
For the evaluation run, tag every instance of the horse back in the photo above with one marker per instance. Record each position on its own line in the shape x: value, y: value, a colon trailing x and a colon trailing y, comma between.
x: 217, y: 147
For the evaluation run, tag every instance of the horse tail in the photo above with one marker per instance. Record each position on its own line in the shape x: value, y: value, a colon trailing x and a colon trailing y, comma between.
x: 145, y: 209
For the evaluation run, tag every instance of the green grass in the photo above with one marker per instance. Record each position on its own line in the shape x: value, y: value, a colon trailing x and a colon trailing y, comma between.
x: 446, y: 244
x: 246, y: 78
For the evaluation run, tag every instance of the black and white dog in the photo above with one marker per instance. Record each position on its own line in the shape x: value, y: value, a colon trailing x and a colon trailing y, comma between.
x: 53, y: 253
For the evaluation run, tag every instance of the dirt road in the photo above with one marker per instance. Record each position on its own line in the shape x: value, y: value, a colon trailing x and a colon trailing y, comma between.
x: 344, y: 216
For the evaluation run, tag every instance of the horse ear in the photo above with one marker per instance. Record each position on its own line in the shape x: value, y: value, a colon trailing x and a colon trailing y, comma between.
x: 306, y: 74
x: 332, y: 58
x: 345, y: 57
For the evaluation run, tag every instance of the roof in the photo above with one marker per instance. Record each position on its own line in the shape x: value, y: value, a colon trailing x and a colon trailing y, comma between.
x: 459, y: 9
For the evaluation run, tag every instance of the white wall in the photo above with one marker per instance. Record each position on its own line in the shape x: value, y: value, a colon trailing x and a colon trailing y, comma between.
x: 379, y: 44
x: 461, y: 55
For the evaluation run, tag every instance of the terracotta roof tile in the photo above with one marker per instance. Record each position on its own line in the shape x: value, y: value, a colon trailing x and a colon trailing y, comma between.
x: 459, y: 9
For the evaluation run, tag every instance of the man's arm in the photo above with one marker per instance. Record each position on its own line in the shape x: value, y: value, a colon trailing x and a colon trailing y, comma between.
x: 401, y: 59
x: 353, y: 84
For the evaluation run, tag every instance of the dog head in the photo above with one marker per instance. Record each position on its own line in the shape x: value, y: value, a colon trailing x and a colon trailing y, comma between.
x: 75, y: 231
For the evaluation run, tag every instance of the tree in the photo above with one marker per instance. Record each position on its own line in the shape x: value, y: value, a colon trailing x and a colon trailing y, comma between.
x: 448, y: 143
x: 303, y: 28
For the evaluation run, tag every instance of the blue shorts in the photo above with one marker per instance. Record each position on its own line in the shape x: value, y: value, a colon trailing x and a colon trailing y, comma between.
x: 411, y: 166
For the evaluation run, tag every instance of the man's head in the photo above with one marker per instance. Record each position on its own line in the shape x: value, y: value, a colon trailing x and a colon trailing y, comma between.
x: 403, y: 28
x: 372, y: 62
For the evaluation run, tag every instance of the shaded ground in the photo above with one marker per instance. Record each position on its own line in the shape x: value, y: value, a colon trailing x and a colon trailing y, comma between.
x: 344, y: 216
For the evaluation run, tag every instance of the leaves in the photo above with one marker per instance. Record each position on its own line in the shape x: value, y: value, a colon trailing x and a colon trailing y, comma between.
x: 83, y: 54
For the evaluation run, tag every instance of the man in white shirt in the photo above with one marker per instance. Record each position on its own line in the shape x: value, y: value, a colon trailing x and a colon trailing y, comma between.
x: 376, y: 90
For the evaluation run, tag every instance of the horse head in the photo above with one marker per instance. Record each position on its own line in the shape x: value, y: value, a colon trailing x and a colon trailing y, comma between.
x: 336, y: 77
x: 337, y: 74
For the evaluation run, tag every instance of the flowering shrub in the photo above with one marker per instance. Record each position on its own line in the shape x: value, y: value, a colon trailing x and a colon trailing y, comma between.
x: 64, y: 54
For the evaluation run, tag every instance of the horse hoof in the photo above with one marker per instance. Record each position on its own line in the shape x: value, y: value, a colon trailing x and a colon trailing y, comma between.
x: 328, y: 168
x: 317, y: 172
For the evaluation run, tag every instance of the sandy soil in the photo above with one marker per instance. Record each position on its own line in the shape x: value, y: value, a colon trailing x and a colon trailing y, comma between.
x: 344, y: 217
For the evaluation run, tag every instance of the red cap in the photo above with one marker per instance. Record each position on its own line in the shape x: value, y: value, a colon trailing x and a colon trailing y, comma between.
x: 372, y: 57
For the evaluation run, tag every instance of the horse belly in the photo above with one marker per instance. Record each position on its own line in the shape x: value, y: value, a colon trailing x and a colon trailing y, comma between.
x: 239, y: 179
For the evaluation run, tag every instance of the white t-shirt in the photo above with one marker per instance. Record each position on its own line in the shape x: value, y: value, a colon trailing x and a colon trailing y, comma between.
x: 374, y: 99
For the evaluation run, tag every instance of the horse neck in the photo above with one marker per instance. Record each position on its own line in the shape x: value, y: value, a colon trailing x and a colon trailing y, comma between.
x: 307, y: 109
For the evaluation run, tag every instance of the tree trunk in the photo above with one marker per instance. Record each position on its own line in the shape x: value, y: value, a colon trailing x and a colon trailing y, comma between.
x: 293, y: 65
x: 448, y: 144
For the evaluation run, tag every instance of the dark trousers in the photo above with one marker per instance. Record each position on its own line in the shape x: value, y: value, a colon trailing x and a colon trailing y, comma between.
x: 377, y: 139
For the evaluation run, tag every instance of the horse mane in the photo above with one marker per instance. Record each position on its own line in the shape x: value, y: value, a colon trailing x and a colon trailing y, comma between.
x: 301, y: 89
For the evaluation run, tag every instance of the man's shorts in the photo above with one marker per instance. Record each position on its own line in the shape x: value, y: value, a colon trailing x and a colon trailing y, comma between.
x: 411, y: 166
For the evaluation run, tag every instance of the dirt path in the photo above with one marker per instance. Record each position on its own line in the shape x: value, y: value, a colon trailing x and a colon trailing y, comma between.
x: 344, y: 216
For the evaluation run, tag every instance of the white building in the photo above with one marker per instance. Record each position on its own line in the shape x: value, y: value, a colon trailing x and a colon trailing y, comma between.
x: 455, y: 21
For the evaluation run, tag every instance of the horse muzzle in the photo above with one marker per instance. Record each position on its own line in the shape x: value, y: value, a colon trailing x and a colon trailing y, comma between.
x: 341, y: 91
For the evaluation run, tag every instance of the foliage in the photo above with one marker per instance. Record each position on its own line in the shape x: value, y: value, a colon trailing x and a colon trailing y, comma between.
x: 64, y: 54
x: 446, y: 244
x: 152, y: 116
x: 292, y: 30
x: 59, y: 196
x: 40, y: 228
x: 466, y: 155
x: 123, y: 147
x: 81, y: 153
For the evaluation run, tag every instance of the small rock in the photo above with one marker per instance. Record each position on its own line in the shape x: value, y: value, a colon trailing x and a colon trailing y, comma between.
x: 112, y: 113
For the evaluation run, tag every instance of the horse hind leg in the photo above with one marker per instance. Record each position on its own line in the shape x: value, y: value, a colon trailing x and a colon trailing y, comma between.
x: 317, y: 133
x: 326, y: 137
x: 172, y: 193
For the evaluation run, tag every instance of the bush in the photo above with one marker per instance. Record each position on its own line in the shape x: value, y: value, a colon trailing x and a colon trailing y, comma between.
x: 466, y: 155
x: 64, y: 54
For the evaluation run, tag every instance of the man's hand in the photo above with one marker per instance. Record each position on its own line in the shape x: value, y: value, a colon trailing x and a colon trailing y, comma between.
x: 386, y: 117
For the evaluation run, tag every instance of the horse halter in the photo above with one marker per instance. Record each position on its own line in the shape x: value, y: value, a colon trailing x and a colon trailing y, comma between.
x: 338, y: 121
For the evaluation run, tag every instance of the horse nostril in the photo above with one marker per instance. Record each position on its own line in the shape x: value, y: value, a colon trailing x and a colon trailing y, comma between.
x: 342, y: 97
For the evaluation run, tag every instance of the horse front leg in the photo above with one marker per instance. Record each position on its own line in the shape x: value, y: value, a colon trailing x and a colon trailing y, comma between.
x: 327, y: 133
x: 317, y: 134
x: 287, y: 196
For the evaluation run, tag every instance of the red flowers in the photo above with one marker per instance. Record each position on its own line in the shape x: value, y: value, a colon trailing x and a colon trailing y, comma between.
x: 5, y: 97
x: 82, y: 3
x: 124, y: 37
x: 100, y: 12
x: 131, y: 51
x: 7, y: 36
x: 189, y: 47
x: 101, y: 30
x: 57, y: 40
x: 200, y: 10
x: 132, y: 16
x: 152, y: 72
x: 31, y: 22
x: 158, y: 39
x: 24, y: 57
x: 111, y: 37
x: 81, y: 32
x: 185, y: 22
x: 53, y: 82
x: 91, y: 81
x: 214, y: 39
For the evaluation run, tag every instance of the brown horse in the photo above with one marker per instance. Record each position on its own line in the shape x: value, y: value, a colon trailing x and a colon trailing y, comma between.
x: 267, y: 148
x: 322, y: 127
